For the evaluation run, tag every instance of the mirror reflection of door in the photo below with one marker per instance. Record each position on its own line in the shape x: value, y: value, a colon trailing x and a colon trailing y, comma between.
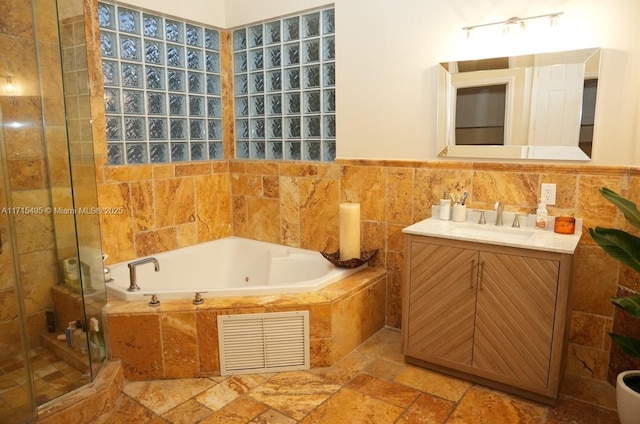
x: 480, y: 115
x: 542, y: 89
x: 556, y: 102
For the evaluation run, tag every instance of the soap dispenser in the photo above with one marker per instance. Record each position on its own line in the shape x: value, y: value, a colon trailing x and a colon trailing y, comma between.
x: 541, y: 216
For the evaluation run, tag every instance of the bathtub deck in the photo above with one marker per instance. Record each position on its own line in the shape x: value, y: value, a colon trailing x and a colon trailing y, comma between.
x: 179, y: 339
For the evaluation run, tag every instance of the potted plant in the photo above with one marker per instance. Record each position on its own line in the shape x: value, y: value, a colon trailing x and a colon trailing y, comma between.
x: 625, y: 247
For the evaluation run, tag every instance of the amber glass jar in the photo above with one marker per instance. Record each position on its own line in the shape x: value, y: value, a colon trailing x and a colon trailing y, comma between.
x: 564, y: 225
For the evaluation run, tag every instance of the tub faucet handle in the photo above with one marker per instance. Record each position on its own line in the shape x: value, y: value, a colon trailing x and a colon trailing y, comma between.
x: 516, y: 220
x: 482, y: 219
x: 198, y: 300
x: 154, y: 300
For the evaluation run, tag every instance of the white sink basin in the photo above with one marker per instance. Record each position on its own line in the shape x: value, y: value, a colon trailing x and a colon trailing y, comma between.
x: 493, y: 232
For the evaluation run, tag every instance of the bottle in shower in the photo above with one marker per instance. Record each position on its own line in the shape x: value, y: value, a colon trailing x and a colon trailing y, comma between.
x: 96, y: 341
x: 80, y: 339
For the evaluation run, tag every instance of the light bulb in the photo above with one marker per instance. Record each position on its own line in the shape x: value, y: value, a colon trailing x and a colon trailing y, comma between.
x: 8, y: 87
x: 513, y: 26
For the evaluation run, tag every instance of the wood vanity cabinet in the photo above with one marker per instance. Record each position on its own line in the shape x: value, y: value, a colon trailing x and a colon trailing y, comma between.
x: 492, y: 314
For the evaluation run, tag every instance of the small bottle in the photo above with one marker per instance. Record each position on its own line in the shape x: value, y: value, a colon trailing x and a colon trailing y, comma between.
x: 80, y: 339
x: 96, y: 341
x: 541, y: 216
x: 68, y: 332
x: 51, y: 320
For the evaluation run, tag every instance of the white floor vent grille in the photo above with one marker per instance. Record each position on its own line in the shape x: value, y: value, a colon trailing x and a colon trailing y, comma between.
x: 270, y: 342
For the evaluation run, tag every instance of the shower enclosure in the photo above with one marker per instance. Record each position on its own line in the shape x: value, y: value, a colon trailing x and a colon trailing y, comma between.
x: 51, y: 270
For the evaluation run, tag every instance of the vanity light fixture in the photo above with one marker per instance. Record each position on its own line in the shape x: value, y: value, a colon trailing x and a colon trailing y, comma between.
x: 515, y: 23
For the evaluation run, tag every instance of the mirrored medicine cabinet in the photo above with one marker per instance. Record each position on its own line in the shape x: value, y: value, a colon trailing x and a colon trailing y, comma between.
x: 536, y: 106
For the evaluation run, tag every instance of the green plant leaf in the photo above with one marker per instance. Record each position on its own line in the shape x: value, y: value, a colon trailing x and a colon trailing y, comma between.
x: 624, y: 247
x: 631, y: 304
x: 627, y: 207
x: 629, y: 345
x: 619, y: 245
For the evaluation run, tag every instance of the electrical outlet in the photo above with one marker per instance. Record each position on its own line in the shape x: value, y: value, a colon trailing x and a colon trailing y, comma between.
x: 548, y: 194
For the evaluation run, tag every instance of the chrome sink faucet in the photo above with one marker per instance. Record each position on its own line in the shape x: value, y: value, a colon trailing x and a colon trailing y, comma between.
x: 133, y: 284
x: 498, y: 208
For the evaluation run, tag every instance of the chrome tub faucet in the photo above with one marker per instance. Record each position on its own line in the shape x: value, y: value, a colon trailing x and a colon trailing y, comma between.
x: 133, y: 284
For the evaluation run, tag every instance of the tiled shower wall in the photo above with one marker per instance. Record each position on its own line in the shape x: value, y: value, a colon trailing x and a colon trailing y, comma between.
x: 29, y: 183
x: 169, y: 206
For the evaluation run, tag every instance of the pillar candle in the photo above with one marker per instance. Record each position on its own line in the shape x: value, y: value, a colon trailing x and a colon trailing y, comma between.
x: 349, y: 231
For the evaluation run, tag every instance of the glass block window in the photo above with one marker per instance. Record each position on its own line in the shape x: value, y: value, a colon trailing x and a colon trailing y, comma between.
x: 284, y: 82
x: 162, y: 90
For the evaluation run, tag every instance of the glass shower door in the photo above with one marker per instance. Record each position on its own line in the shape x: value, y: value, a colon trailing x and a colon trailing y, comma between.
x: 46, y: 168
x: 17, y: 393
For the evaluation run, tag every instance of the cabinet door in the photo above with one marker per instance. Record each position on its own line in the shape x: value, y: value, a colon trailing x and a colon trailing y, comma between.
x: 515, y: 316
x: 442, y: 296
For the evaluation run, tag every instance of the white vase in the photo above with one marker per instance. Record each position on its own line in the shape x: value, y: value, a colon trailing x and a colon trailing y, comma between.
x: 628, y: 400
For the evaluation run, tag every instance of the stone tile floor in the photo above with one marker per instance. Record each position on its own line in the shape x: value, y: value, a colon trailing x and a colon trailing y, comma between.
x: 372, y: 384
x: 52, y: 377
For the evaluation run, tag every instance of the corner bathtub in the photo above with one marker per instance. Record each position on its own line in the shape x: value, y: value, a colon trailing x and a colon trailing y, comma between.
x: 230, y: 266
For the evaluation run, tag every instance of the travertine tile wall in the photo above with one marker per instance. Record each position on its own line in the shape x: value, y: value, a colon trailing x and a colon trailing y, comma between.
x: 58, y: 149
x: 297, y: 205
x: 35, y: 96
x: 180, y: 340
x: 165, y: 207
x: 77, y: 147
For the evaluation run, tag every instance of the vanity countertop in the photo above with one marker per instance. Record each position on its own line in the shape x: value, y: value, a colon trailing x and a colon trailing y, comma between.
x: 525, y: 237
